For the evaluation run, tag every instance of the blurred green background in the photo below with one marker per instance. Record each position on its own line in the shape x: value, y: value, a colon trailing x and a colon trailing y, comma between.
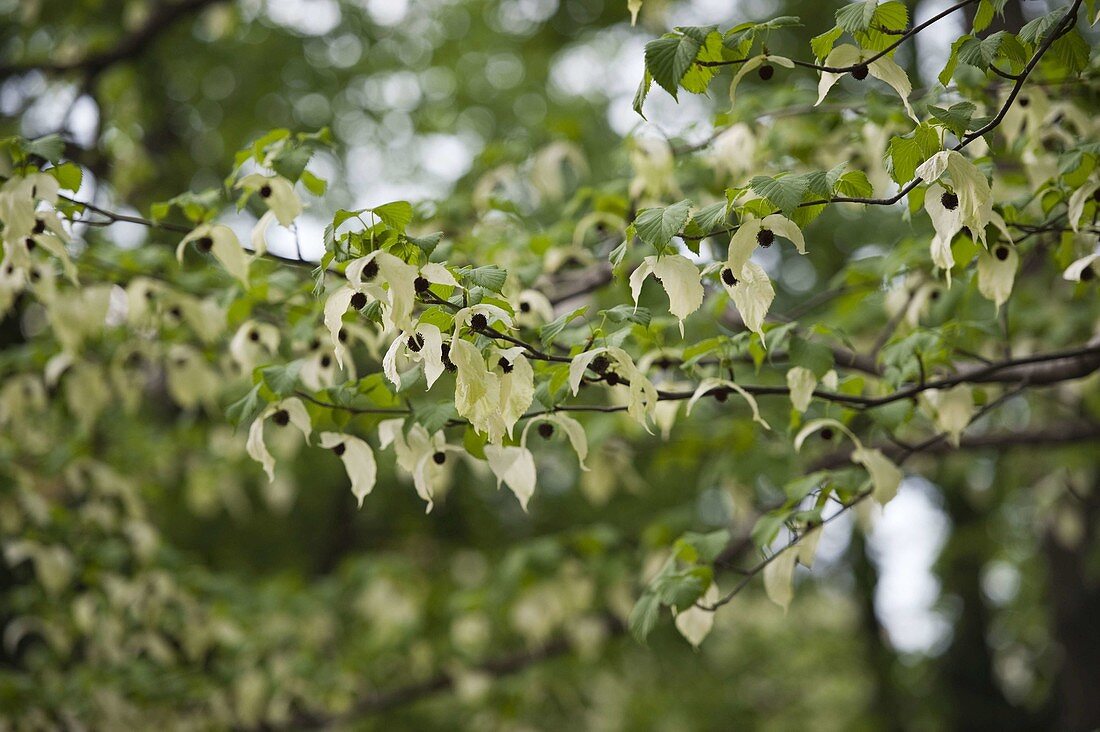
x: 199, y: 596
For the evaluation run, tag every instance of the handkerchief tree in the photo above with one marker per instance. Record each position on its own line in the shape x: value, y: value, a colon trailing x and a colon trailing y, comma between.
x: 842, y: 283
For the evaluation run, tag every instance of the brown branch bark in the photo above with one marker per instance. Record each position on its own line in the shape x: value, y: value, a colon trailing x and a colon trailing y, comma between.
x: 1067, y: 434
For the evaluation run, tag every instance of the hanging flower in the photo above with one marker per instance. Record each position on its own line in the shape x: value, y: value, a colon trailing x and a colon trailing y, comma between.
x: 970, y: 193
x: 277, y: 193
x: 423, y: 345
x: 884, y: 69
x: 617, y: 366
x: 753, y: 233
x: 752, y: 294
x: 752, y: 65
x: 711, y: 383
x: 573, y: 430
x: 997, y: 273
x: 253, y: 344
x: 419, y: 454
x: 514, y: 466
x: 534, y: 309
x: 378, y: 276
x: 286, y: 411
x: 481, y: 316
x: 517, y: 384
x: 477, y: 391
x: 1082, y: 270
x: 801, y: 382
x: 358, y: 461
x: 680, y: 278
x: 219, y: 240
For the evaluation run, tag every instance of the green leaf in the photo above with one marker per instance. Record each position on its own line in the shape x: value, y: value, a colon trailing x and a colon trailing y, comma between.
x: 642, y: 93
x: 669, y: 58
x: 643, y: 617
x: 983, y: 16
x: 956, y: 117
x: 709, y: 218
x: 767, y: 528
x: 952, y: 61
x: 283, y: 379
x: 434, y: 416
x: 657, y: 226
x: 396, y: 215
x: 624, y: 313
x: 857, y: 16
x: 427, y: 244
x: 697, y: 78
x: 1037, y: 30
x: 813, y: 356
x: 49, y: 147
x: 854, y: 184
x: 247, y: 408
x: 68, y: 175
x: 488, y: 276
x: 474, y: 442
x: 784, y: 192
x: 705, y: 547
x: 681, y: 589
x: 904, y: 154
x: 982, y: 53
x: 1072, y: 51
x: 553, y: 329
x: 291, y: 161
x: 891, y: 16
x: 313, y: 184
x: 821, y: 45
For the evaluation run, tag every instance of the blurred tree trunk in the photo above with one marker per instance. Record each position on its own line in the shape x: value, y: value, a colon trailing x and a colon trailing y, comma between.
x: 885, y: 709
x: 974, y: 700
x: 1073, y: 584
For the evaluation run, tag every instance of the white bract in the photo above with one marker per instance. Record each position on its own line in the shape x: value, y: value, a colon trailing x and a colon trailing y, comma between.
x: 220, y: 241
x: 572, y: 429
x: 517, y: 385
x: 423, y: 345
x: 884, y: 68
x: 290, y: 411
x: 747, y: 237
x: 358, y: 461
x: 1075, y: 272
x: 801, y: 382
x: 712, y: 383
x: 680, y: 278
x: 695, y: 623
x: 997, y: 272
x: 779, y: 578
x: 975, y: 198
x: 514, y: 466
x: 643, y: 397
x: 378, y: 276
x: 947, y: 223
x: 253, y: 344
x: 751, y: 65
x: 419, y: 454
x: 885, y: 475
x: 277, y: 193
x: 477, y: 391
x: 752, y: 294
x: 1075, y: 207
x: 952, y: 409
